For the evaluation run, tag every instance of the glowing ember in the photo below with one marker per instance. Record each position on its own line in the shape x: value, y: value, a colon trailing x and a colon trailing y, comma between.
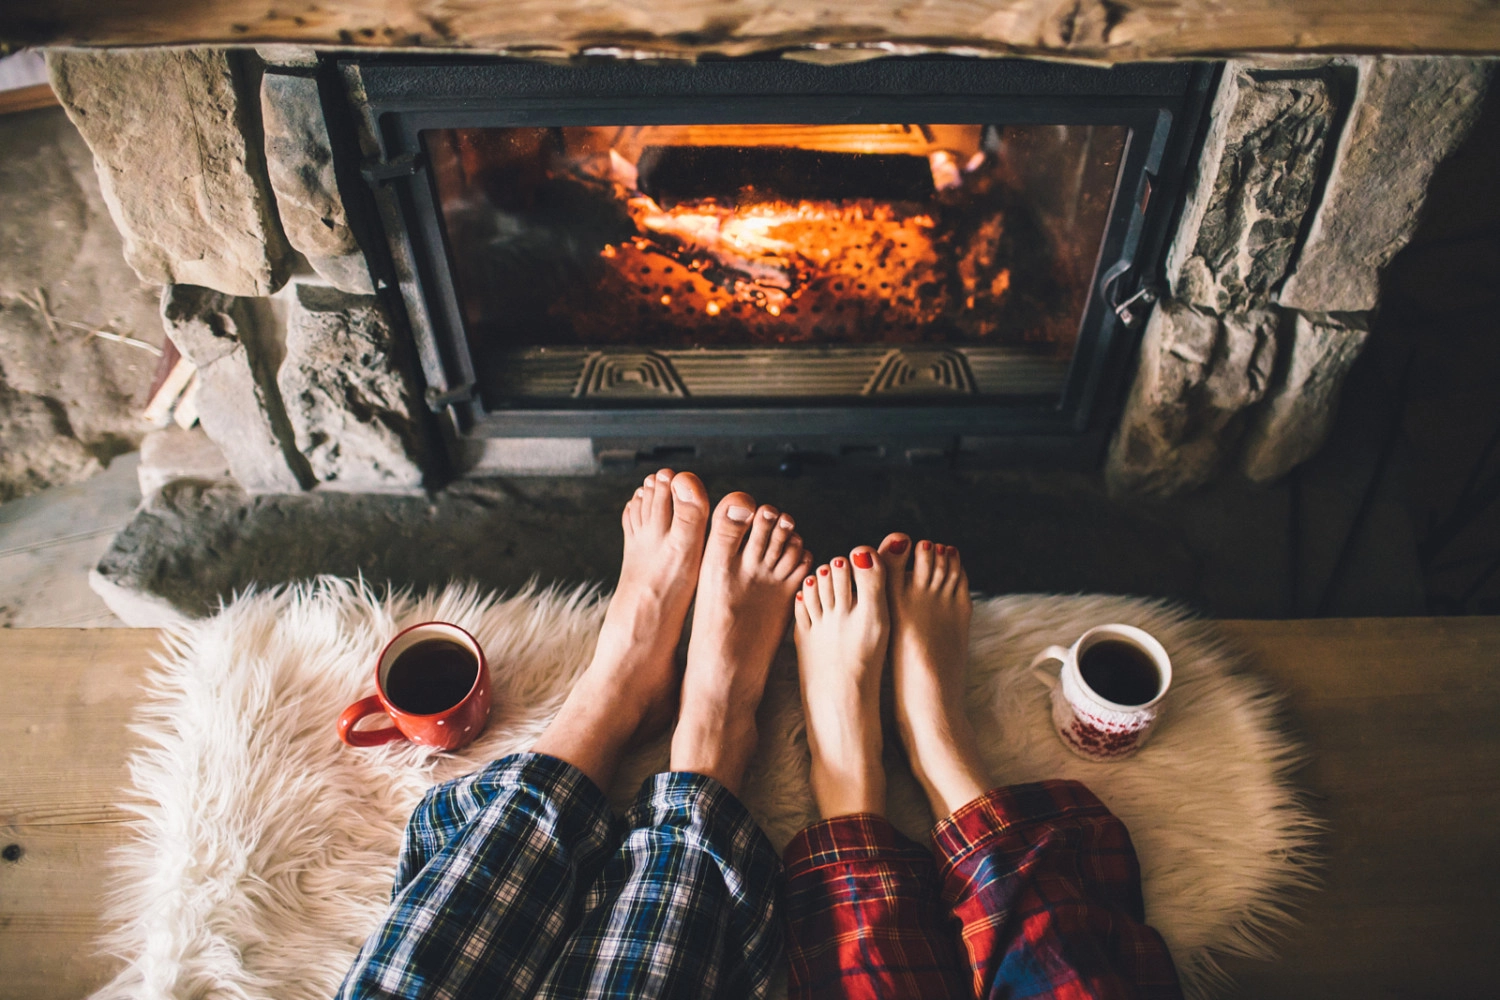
x: 774, y: 234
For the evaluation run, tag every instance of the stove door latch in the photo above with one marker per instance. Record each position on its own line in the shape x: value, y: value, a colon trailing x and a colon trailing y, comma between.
x: 1131, y: 315
x: 1135, y: 308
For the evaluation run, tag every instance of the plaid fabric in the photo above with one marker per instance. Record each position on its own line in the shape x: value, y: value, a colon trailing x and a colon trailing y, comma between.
x: 517, y: 881
x: 1039, y: 886
x: 864, y: 917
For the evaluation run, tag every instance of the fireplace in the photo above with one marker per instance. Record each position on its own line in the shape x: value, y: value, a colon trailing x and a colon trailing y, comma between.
x: 897, y: 259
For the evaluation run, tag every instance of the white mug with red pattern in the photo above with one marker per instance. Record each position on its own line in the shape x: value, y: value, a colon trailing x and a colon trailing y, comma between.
x: 1107, y: 697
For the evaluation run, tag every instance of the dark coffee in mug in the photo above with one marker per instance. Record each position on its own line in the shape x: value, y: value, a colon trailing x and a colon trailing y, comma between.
x: 1119, y: 672
x: 432, y: 676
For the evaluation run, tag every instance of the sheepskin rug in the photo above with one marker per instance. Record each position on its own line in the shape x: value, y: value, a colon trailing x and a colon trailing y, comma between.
x: 264, y: 848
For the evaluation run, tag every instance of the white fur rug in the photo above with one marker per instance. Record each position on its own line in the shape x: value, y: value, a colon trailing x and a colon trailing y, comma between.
x: 265, y: 848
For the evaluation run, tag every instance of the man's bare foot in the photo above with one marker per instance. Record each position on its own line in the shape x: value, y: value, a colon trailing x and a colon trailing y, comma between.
x: 930, y: 611
x: 752, y: 565
x: 630, y: 686
x: 842, y: 628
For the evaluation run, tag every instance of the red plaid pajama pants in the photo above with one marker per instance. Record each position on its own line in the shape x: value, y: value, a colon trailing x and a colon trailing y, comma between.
x: 1028, y: 891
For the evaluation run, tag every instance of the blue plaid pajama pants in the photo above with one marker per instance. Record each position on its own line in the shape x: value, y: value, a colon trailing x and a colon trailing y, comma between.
x: 518, y: 881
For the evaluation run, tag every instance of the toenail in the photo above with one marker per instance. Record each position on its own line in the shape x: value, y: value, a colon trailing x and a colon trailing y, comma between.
x: 808, y: 582
x: 898, y: 546
x: 926, y: 546
x: 838, y: 563
x: 683, y: 490
x: 822, y: 570
x: 665, y: 477
x: 768, y: 514
x: 639, y: 492
x: 799, y: 595
x: 862, y: 560
x: 739, y: 515
x: 953, y: 551
x: 650, y: 481
x: 786, y: 523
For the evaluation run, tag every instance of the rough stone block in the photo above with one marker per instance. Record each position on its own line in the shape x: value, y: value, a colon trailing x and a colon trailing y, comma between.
x: 173, y: 453
x: 236, y: 411
x: 1292, y: 422
x: 1409, y: 113
x: 1256, y: 179
x: 188, y: 191
x: 355, y: 413
x: 299, y: 160
x: 1198, y: 373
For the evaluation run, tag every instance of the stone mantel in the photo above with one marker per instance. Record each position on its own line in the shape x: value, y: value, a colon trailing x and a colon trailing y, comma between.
x: 1103, y: 30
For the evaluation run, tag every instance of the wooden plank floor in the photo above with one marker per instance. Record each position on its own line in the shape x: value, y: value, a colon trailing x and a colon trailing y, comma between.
x: 1399, y: 714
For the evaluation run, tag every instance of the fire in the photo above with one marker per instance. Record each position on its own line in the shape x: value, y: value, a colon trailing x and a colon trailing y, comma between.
x: 766, y: 253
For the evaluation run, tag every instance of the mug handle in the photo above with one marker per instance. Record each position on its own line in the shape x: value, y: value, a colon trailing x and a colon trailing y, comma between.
x: 365, y: 737
x: 1058, y: 653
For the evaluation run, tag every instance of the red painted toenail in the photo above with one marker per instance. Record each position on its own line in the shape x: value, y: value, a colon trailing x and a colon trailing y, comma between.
x: 809, y: 582
x: 799, y: 595
x: 862, y: 560
x: 926, y: 546
x: 838, y: 564
x: 953, y: 551
x: 898, y: 546
x: 822, y: 570
x: 942, y: 549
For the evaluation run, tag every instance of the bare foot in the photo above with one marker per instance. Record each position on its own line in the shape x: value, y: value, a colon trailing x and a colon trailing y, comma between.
x: 842, y: 628
x: 752, y: 566
x: 631, y: 684
x: 930, y: 611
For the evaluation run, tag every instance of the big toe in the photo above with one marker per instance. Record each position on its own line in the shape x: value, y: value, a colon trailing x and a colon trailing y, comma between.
x: 869, y: 573
x: 894, y: 552
x: 689, y: 505
x: 731, y: 520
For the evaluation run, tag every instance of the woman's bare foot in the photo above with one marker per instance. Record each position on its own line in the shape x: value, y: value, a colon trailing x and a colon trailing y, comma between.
x: 842, y: 628
x: 930, y: 611
x: 752, y: 566
x: 630, y: 686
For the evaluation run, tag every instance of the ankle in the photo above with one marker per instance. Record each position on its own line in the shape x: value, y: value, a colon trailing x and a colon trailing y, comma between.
x: 715, y: 745
x: 844, y: 791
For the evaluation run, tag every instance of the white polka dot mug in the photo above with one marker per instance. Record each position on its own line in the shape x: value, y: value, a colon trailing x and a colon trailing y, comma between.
x: 433, y: 684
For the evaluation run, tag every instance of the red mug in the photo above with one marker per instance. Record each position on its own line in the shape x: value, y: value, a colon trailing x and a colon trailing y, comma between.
x: 435, y: 694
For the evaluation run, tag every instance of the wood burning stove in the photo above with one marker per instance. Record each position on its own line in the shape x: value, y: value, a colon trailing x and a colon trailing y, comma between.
x: 897, y: 258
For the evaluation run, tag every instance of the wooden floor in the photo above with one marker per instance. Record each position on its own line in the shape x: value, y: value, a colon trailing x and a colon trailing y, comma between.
x: 1401, y: 716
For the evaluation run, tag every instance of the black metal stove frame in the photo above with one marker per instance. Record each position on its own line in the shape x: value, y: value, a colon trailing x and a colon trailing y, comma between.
x: 1162, y: 104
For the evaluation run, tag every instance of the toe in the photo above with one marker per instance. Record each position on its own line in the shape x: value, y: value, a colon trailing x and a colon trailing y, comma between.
x: 689, y: 505
x: 869, y: 574
x: 731, y: 519
x: 631, y: 516
x: 921, y: 563
x: 939, y: 566
x: 811, y: 600
x: 660, y: 512
x: 955, y: 570
x: 791, y: 557
x: 777, y: 546
x: 761, y: 531
x: 825, y: 588
x: 894, y: 552
x: 800, y: 610
x: 843, y: 583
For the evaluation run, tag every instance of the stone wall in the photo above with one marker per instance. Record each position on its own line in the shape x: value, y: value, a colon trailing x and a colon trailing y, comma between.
x: 1312, y: 177
x: 218, y: 170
